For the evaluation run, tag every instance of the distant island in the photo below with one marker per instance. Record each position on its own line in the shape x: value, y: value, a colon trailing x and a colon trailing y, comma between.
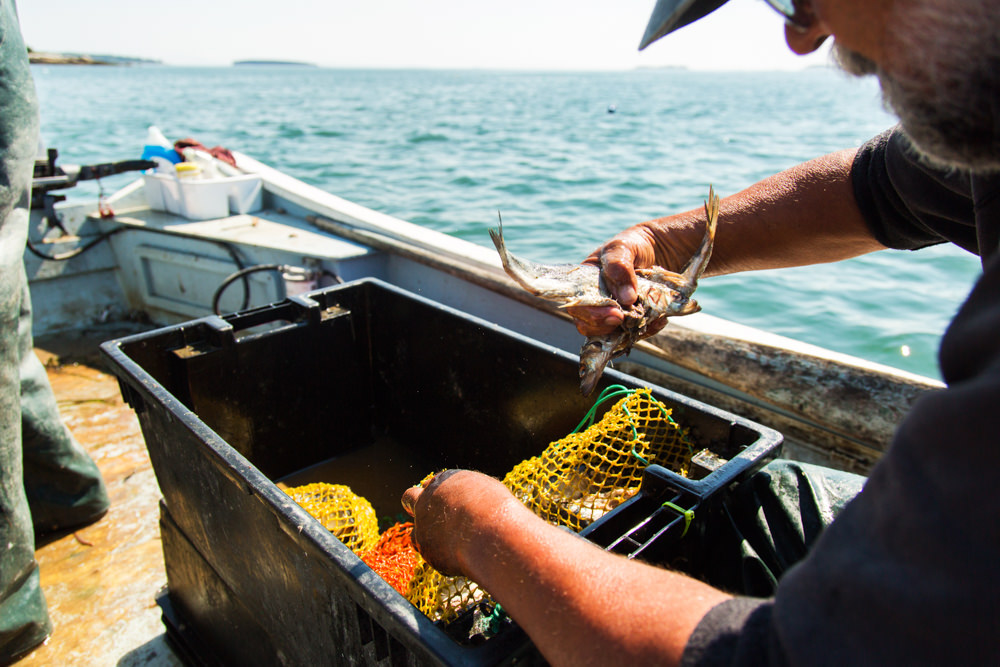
x: 48, y: 58
x: 286, y: 63
x: 663, y: 67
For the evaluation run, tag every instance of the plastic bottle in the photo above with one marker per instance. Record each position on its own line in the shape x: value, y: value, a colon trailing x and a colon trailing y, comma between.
x: 155, y: 138
x: 204, y: 161
x: 187, y: 170
x: 157, y: 146
x: 163, y: 165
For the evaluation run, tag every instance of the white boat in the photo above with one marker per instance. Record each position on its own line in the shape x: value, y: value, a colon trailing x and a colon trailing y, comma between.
x: 276, y: 236
x: 165, y: 268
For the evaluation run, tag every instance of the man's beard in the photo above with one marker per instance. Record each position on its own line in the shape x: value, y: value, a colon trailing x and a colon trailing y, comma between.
x: 945, y: 81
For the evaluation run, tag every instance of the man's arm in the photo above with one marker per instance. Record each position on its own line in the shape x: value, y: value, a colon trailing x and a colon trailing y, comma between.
x: 803, y: 215
x: 579, y: 604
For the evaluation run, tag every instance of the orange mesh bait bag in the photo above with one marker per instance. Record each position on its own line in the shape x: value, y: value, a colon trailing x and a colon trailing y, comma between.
x: 394, y: 558
x: 585, y: 475
x: 347, y: 515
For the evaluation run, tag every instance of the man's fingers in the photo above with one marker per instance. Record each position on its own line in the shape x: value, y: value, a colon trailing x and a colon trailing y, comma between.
x: 409, y: 499
x: 618, y: 271
x: 412, y: 494
x: 596, y: 321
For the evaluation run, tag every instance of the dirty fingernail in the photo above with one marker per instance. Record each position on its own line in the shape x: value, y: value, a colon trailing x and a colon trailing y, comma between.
x: 407, y: 501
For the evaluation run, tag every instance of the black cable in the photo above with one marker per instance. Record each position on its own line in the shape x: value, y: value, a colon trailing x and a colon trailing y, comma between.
x: 333, y: 276
x: 242, y: 273
x: 225, y: 245
x: 62, y: 257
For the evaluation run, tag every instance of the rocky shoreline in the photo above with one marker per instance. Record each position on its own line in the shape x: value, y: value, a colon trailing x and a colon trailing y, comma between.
x: 48, y: 58
x: 59, y: 59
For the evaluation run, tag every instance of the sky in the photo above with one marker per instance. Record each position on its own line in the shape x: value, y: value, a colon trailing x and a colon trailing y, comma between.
x: 467, y: 34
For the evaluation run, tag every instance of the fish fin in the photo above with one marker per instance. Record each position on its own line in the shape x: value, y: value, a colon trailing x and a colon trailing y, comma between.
x: 497, y: 238
x: 696, y: 267
x: 689, y: 308
x: 662, y: 276
x: 496, y: 235
x: 522, y: 271
x: 583, y: 303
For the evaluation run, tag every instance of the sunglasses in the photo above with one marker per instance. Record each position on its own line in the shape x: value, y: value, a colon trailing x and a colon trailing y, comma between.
x: 787, y: 9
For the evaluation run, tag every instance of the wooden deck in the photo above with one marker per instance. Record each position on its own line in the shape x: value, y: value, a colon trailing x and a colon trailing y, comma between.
x: 101, y: 581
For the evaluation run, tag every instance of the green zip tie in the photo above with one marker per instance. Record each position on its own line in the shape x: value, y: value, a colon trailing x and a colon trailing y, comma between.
x: 494, y: 619
x: 687, y: 514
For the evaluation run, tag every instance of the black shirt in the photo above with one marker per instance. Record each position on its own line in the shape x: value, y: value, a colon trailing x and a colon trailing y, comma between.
x: 909, y: 573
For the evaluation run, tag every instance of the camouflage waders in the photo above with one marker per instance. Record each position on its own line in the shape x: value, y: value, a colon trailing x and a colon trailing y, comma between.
x: 47, y: 481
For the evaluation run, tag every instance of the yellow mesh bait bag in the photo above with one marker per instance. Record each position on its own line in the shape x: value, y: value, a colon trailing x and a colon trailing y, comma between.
x: 585, y: 475
x: 440, y: 597
x: 574, y: 482
x: 347, y: 515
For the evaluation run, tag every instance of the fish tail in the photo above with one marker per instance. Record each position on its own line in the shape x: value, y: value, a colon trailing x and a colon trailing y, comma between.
x: 522, y: 271
x: 696, y: 267
x: 497, y: 236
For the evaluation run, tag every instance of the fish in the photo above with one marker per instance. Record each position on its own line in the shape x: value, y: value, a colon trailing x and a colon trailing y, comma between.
x: 661, y: 294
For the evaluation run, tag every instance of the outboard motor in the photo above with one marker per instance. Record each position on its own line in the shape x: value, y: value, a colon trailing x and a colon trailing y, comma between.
x: 49, y: 177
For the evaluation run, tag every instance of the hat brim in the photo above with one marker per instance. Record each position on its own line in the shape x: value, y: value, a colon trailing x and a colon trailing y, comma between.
x: 669, y: 15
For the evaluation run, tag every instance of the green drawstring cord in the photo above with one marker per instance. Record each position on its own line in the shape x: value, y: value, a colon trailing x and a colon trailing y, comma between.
x: 613, y: 391
x: 616, y: 391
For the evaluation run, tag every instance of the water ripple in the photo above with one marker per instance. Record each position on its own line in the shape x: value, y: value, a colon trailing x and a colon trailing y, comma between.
x: 447, y: 149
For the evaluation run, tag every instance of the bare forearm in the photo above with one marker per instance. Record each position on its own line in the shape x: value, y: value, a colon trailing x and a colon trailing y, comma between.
x: 579, y: 604
x: 804, y: 215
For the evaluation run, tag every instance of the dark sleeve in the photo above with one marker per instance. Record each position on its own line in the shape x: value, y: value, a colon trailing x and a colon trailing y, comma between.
x: 907, y: 573
x: 907, y: 203
x: 735, y: 632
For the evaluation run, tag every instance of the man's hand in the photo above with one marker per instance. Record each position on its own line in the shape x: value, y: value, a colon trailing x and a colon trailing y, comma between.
x: 454, y: 509
x: 643, y: 246
x: 616, y: 259
x: 556, y: 585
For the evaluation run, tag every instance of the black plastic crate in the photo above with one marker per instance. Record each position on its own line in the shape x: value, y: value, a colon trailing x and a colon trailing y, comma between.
x: 228, y: 406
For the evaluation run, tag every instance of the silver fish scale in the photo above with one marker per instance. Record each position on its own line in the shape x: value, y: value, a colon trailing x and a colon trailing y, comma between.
x: 566, y: 284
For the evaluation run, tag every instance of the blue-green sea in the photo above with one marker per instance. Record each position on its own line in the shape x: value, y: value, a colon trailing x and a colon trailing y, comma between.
x: 448, y: 149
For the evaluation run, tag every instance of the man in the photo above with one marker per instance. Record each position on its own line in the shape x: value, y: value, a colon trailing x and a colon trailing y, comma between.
x: 47, y: 481
x: 907, y: 572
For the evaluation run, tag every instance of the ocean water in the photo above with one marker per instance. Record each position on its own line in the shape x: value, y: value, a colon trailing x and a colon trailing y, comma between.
x: 449, y: 149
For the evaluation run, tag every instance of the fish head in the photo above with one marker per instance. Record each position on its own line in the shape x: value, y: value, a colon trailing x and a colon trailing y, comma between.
x: 595, y: 355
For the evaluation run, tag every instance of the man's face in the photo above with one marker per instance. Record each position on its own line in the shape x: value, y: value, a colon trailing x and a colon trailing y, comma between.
x: 938, y: 62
